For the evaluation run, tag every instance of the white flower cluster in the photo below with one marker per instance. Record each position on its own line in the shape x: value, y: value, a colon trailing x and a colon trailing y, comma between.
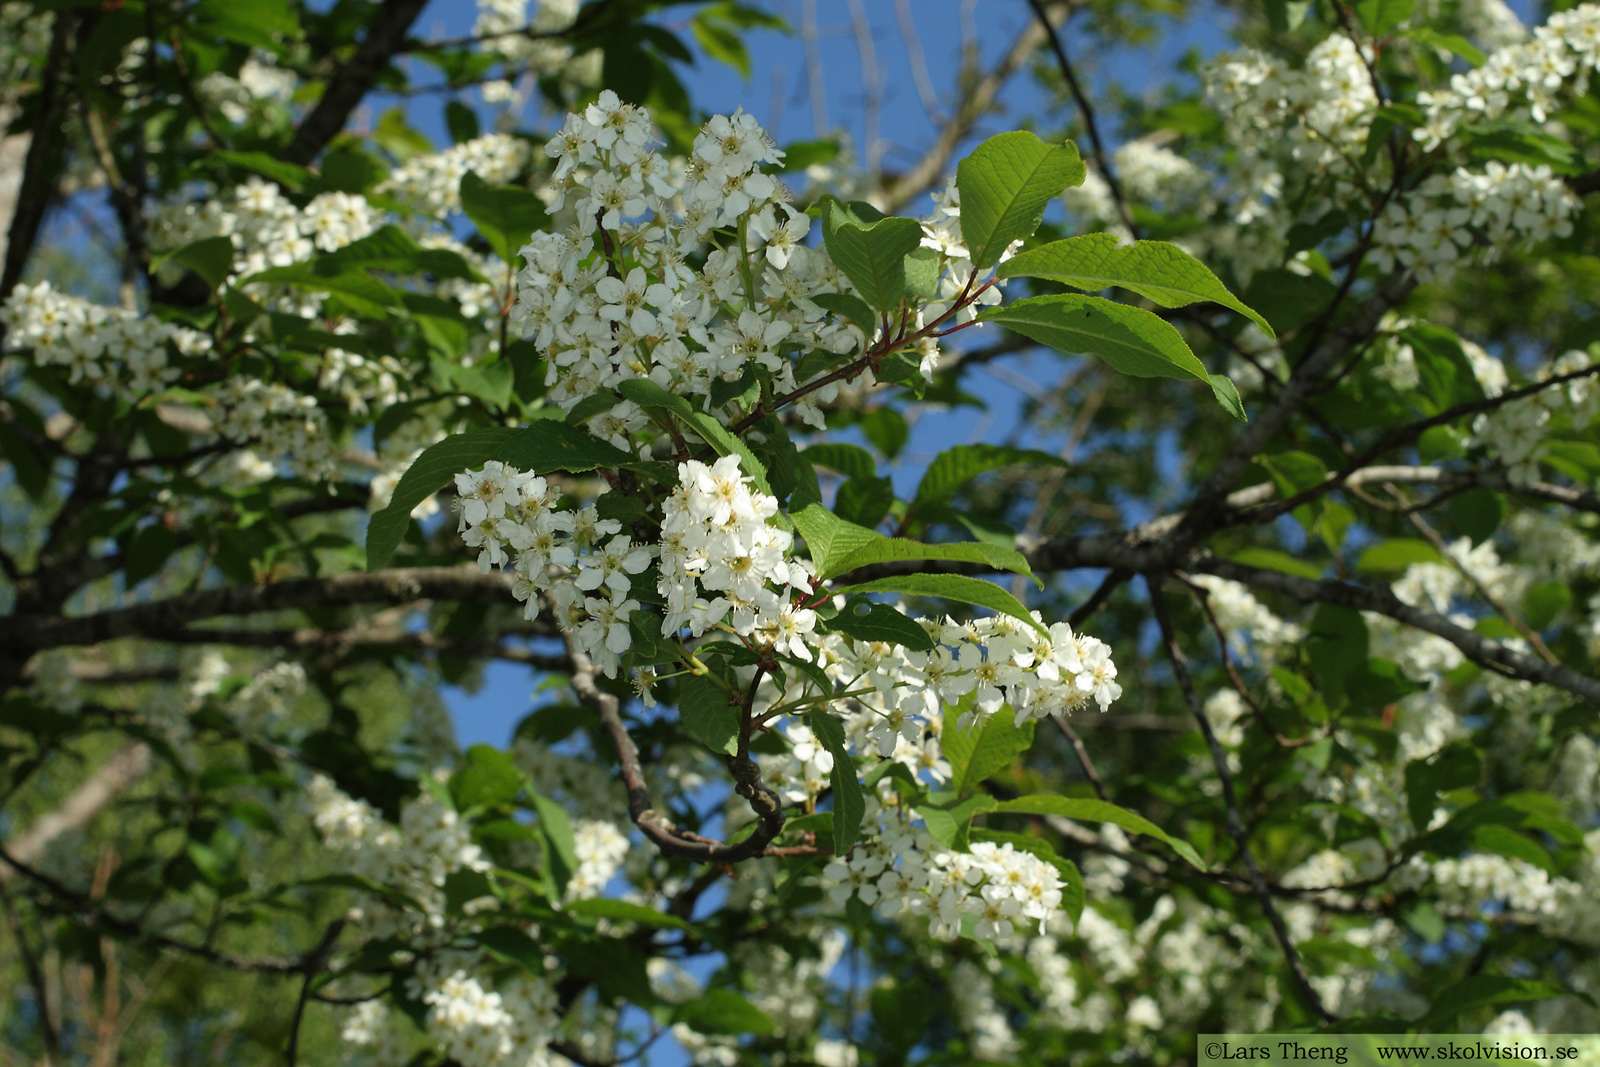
x: 1503, y: 207
x: 1516, y: 433
x: 430, y: 184
x: 1523, y: 79
x: 481, y: 1027
x: 1252, y: 629
x: 267, y: 698
x: 509, y: 31
x: 600, y: 848
x: 277, y: 420
x: 266, y: 227
x: 1325, y: 108
x: 98, y: 345
x: 415, y: 857
x: 722, y: 560
x: 622, y: 298
x: 502, y: 507
x: 981, y: 892
x: 260, y: 81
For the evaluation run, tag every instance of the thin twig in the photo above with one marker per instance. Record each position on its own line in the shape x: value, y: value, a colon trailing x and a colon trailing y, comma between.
x: 1102, y: 158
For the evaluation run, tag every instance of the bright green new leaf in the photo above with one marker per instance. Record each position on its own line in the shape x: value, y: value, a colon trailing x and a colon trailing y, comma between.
x: 950, y: 587
x: 1381, y: 17
x: 1129, y: 339
x: 623, y: 911
x: 1005, y: 185
x: 872, y: 255
x: 506, y: 215
x: 955, y: 467
x: 428, y: 473
x: 849, y: 805
x: 722, y: 1011
x: 852, y: 461
x: 838, y: 546
x: 1087, y: 810
x: 1161, y: 272
x: 704, y: 710
x: 880, y: 622
x: 949, y: 817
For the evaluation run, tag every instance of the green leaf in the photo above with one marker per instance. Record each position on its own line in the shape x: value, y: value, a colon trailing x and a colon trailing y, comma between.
x: 1227, y: 395
x: 647, y: 394
x: 998, y: 743
x: 623, y: 911
x: 511, y: 945
x: 955, y: 467
x: 872, y: 255
x: 1476, y: 513
x: 487, y: 776
x: 461, y: 121
x: 557, y: 830
x: 1398, y: 553
x: 880, y: 622
x: 1456, y: 766
x: 839, y: 546
x: 849, y: 805
x: 887, y: 430
x: 211, y: 259
x: 949, y: 818
x: 852, y: 461
x: 1382, y: 16
x: 950, y: 587
x: 1087, y: 810
x: 430, y: 472
x: 31, y: 473
x: 721, y: 43
x: 1273, y: 560
x: 390, y: 248
x: 1157, y: 270
x: 1129, y: 339
x: 506, y: 215
x: 1542, y: 604
x: 614, y: 965
x: 1285, y: 16
x: 285, y: 174
x: 864, y: 501
x: 1005, y: 185
x: 922, y: 275
x: 1479, y: 991
x: 549, y: 445
x: 1446, y: 374
x: 704, y: 710
x: 1337, y: 648
x: 149, y: 548
x: 259, y: 23
x: 722, y: 1011
x: 1449, y: 42
x: 851, y: 307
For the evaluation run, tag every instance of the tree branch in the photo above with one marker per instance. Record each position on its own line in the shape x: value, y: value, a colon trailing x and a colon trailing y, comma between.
x: 159, y: 619
x: 653, y: 824
x: 1102, y: 159
x: 353, y: 80
x: 126, y: 766
x: 1489, y: 654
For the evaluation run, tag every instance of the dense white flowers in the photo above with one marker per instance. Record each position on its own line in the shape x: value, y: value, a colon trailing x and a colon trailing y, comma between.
x: 98, y: 345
